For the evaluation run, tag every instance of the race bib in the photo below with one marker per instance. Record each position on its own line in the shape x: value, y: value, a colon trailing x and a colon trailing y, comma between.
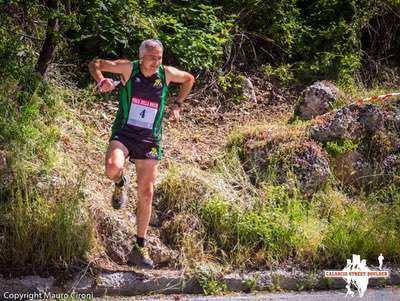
x: 142, y: 113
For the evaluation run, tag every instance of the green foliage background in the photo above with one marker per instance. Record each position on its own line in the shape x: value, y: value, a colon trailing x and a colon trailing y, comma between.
x: 319, y: 38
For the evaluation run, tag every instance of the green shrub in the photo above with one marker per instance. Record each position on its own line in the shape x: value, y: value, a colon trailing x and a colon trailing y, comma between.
x: 364, y: 229
x: 231, y: 85
x: 283, y: 72
x: 46, y: 226
x: 41, y: 230
x: 193, y: 35
x: 271, y: 232
x: 337, y: 148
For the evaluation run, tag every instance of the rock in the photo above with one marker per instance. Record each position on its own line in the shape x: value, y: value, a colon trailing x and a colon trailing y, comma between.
x: 372, y: 118
x: 397, y: 119
x: 26, y: 284
x: 117, y: 236
x: 354, y: 122
x: 374, y: 128
x: 159, y: 252
x: 316, y: 99
x: 305, y: 160
x: 310, y: 167
x: 81, y: 282
x: 343, y: 123
x: 353, y: 168
x: 248, y: 90
x: 391, y: 167
x: 170, y: 282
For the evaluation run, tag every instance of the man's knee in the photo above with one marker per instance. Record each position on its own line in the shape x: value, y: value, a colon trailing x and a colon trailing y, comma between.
x: 113, y: 170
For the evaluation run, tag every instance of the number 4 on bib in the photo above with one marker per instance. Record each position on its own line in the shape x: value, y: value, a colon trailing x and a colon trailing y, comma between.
x: 142, y: 113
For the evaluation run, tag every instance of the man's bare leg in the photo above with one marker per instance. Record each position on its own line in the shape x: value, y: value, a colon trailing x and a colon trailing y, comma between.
x: 115, y: 159
x: 146, y: 172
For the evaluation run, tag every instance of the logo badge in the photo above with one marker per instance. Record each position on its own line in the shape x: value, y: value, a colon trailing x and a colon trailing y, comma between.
x: 157, y: 83
x: 152, y: 154
x: 357, y: 274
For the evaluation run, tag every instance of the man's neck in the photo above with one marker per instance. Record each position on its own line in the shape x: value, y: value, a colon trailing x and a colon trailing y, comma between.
x: 145, y: 73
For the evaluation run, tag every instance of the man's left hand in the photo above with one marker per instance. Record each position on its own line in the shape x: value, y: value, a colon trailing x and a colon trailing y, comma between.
x: 175, y: 114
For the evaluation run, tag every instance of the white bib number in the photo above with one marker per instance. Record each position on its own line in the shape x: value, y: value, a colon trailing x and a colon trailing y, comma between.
x: 142, y: 113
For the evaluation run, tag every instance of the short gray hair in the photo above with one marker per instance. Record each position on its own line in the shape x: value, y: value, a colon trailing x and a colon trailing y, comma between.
x: 149, y: 44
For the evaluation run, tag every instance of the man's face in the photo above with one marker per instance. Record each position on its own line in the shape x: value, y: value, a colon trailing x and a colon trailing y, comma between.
x: 151, y: 59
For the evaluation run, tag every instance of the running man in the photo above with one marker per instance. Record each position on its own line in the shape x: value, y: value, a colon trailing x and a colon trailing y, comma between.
x: 137, y: 130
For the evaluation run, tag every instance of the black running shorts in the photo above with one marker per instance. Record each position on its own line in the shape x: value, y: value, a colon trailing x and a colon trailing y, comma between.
x: 137, y: 149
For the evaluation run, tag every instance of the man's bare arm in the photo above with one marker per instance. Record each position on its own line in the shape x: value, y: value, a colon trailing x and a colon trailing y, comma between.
x: 121, y: 67
x: 181, y: 77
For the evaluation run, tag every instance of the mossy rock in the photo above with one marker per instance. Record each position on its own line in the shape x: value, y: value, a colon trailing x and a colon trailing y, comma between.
x: 374, y: 131
x: 284, y: 155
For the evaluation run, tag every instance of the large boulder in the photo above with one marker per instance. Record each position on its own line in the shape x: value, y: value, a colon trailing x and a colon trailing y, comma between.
x: 116, y: 233
x: 391, y: 165
x: 340, y: 124
x: 284, y: 156
x: 310, y: 166
x: 350, y: 122
x: 316, y: 99
x: 374, y: 130
x: 371, y: 117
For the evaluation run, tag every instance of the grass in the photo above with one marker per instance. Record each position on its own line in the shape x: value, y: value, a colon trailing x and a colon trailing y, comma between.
x: 365, y: 229
x: 39, y: 233
x: 337, y: 148
x: 44, y: 222
x: 273, y: 224
x: 350, y: 94
x: 264, y: 151
x: 184, y: 188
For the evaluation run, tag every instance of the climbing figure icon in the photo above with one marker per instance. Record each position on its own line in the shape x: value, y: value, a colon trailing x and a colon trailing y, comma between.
x: 380, y: 260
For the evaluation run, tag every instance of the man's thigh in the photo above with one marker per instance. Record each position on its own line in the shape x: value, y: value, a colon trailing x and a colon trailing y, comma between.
x: 116, y: 153
x: 146, y: 171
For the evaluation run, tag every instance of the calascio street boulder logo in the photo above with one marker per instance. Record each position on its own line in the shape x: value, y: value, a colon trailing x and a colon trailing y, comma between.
x: 357, y: 274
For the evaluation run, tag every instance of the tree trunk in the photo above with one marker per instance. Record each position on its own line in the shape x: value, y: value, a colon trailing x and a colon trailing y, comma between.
x: 50, y: 42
